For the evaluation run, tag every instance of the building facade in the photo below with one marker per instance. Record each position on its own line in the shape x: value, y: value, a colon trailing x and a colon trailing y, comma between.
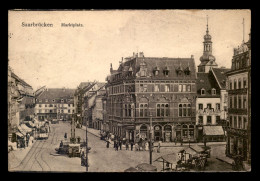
x: 239, y: 106
x: 211, y: 102
x: 21, y: 103
x: 55, y: 103
x: 156, y: 94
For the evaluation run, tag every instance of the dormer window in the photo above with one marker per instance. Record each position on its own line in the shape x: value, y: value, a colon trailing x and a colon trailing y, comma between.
x: 46, y: 100
x: 143, y: 73
x: 166, y: 71
x: 156, y: 72
x: 213, y: 91
x: 40, y: 100
x: 53, y: 100
x: 202, y: 91
x: 62, y: 100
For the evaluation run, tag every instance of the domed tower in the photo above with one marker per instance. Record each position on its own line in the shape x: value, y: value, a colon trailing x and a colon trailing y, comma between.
x: 207, y: 59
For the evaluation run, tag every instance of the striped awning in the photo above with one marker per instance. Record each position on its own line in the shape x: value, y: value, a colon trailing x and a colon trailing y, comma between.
x: 213, y: 130
x: 27, y: 129
x: 19, y: 134
x: 21, y: 130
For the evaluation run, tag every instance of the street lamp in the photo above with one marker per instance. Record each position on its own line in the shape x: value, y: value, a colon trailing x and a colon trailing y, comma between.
x: 150, y: 139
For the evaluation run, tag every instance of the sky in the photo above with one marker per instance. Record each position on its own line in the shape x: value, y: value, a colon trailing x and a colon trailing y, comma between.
x: 59, y: 57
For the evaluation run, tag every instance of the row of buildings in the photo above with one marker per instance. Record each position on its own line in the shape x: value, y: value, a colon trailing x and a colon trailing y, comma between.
x: 21, y: 105
x: 168, y: 97
x: 165, y: 96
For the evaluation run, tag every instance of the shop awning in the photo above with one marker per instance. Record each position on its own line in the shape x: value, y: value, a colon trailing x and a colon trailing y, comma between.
x: 19, y: 134
x: 170, y: 158
x: 27, y: 129
x: 31, y: 124
x: 213, y: 130
x: 197, y: 148
x: 22, y: 130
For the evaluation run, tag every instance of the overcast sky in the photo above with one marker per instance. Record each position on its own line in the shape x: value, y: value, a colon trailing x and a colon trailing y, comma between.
x: 65, y: 56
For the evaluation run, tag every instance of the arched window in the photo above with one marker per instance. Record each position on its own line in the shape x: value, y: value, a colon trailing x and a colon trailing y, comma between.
x: 189, y: 109
x: 141, y: 110
x: 158, y: 110
x: 180, y: 110
x: 162, y: 110
x: 184, y: 110
x: 167, y: 111
x: 125, y: 110
x: 235, y: 84
x: 202, y: 91
x: 145, y: 110
x: 184, y: 131
x: 129, y: 110
x: 239, y: 84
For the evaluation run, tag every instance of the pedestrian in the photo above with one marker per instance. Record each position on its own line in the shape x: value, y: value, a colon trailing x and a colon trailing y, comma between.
x: 114, y: 143
x: 132, y: 145
x: 136, y: 147
x: 107, y: 143
x: 120, y: 144
x: 159, y: 145
x: 126, y: 145
x: 61, y: 144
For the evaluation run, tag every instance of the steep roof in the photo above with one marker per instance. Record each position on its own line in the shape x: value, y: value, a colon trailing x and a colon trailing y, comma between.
x: 57, y: 94
x: 20, y: 80
x: 172, y: 64
x: 208, y: 82
x: 220, y: 76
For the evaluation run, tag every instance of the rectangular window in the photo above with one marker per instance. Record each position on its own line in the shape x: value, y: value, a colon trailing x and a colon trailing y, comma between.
x: 184, y: 88
x: 156, y: 88
x: 217, y: 106
x: 200, y: 106
x: 158, y: 110
x: 245, y: 123
x: 218, y: 120
x: 180, y: 88
x: 167, y: 88
x: 188, y: 88
x: 231, y: 122
x: 46, y: 105
x: 235, y: 122
x: 239, y: 122
x: 145, y: 88
x: 239, y: 84
x: 208, y: 106
x: 235, y: 102
x: 230, y: 85
x: 244, y: 102
x: 200, y: 119
x: 40, y: 105
x: 141, y: 88
x: 230, y: 102
x: 239, y: 102
x: 209, y: 120
x: 244, y: 80
x: 68, y: 110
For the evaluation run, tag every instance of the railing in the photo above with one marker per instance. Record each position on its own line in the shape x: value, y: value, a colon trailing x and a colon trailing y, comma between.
x: 208, y: 111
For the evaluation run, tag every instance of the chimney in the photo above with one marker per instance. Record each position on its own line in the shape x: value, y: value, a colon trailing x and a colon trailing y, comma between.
x: 122, y: 59
x: 192, y: 57
x: 111, y: 68
x: 133, y: 54
x: 141, y: 54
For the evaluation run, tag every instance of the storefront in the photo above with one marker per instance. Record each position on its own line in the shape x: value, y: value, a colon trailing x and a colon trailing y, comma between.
x: 143, y: 132
x: 167, y: 133
x: 157, y: 133
x: 213, y: 133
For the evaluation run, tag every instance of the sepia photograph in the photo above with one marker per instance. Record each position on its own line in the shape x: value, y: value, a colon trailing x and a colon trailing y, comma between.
x: 163, y: 90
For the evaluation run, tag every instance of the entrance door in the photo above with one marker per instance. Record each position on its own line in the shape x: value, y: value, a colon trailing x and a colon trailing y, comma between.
x: 178, y: 135
x: 168, y: 133
x: 157, y: 133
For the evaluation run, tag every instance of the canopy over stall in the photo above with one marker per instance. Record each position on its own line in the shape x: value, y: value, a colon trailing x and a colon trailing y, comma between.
x: 170, y: 160
x: 24, y: 127
x: 213, y: 130
x: 145, y: 167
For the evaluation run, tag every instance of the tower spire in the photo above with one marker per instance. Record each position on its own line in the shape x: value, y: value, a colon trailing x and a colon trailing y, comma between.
x: 207, y: 25
x: 243, y: 30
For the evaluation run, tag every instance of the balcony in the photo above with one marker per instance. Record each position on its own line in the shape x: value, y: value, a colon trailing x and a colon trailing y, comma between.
x: 208, y: 111
x: 237, y: 131
x: 237, y: 91
x: 237, y: 111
